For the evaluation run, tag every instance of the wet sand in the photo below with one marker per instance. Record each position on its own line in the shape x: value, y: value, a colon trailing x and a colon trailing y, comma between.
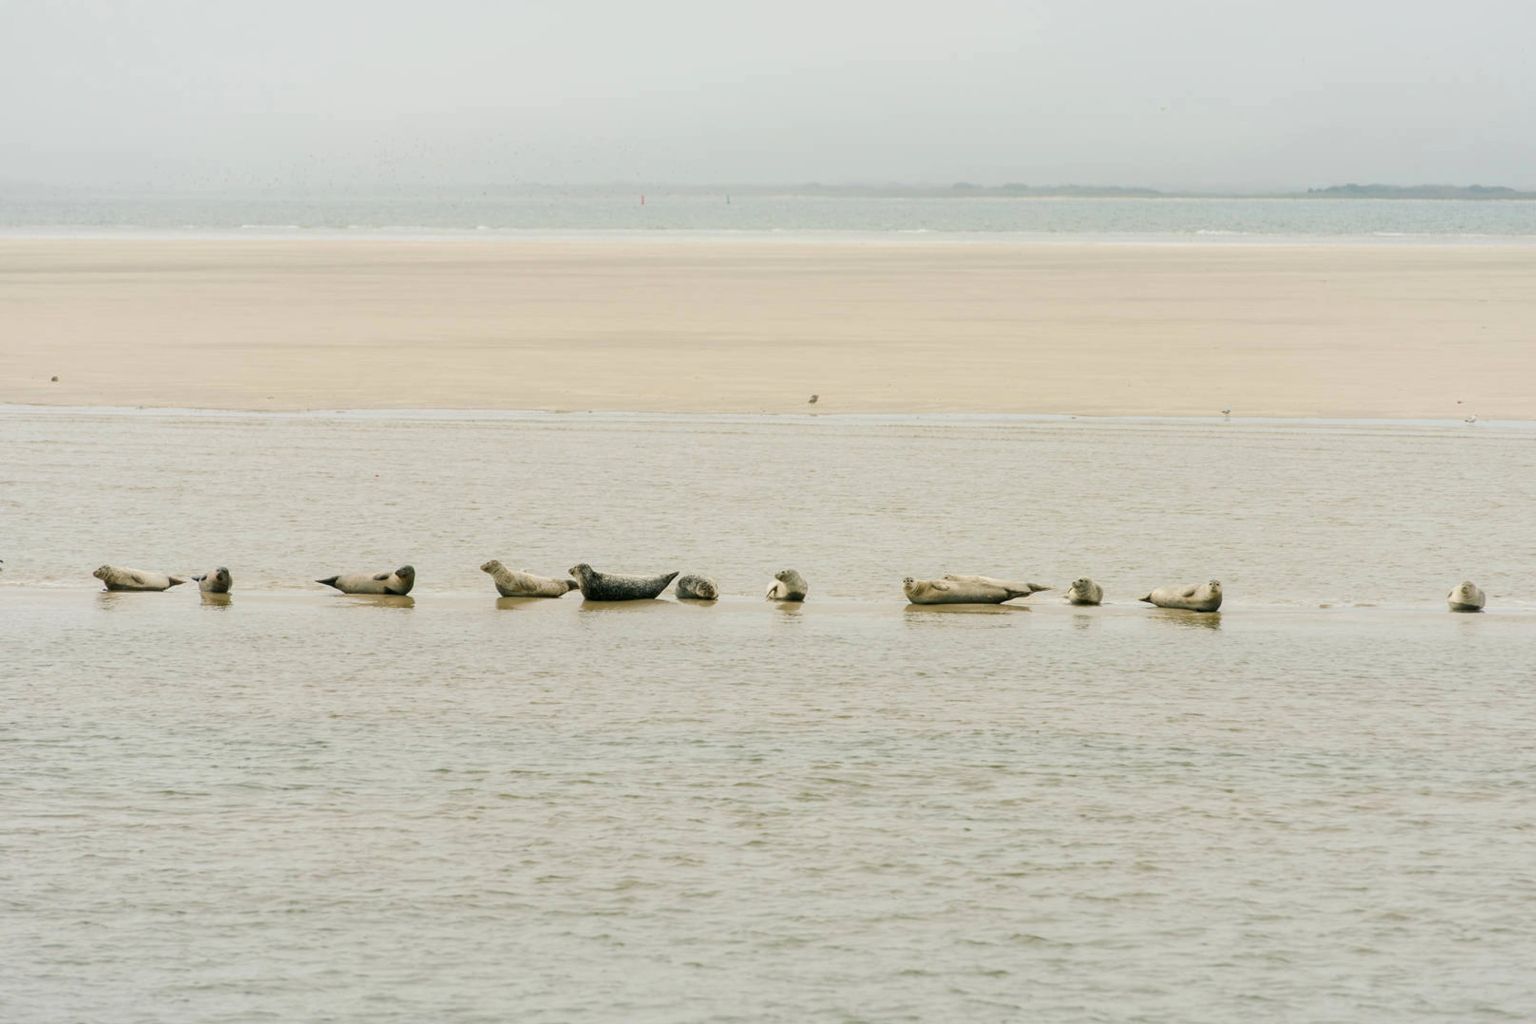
x: 689, y: 323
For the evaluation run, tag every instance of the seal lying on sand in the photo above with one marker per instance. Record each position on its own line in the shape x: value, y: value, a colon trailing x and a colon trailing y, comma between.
x: 1195, y: 597
x: 525, y: 584
x: 966, y: 590
x: 1085, y: 591
x: 697, y: 588
x: 1465, y: 597
x: 601, y: 586
x: 398, y: 582
x: 787, y: 585
x: 136, y: 579
x: 216, y: 582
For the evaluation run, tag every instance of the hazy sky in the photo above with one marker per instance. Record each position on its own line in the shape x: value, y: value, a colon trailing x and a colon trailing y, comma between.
x: 1172, y: 93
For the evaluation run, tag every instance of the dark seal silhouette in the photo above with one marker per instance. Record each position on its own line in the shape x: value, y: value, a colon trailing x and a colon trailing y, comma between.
x: 600, y: 586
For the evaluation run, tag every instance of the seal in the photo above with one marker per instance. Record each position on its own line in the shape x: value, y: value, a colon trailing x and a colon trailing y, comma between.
x: 787, y: 585
x: 966, y: 590
x: 697, y: 588
x: 115, y: 578
x: 524, y: 583
x: 1466, y: 597
x: 603, y: 586
x: 398, y: 582
x: 216, y: 582
x: 1085, y: 591
x: 1195, y: 597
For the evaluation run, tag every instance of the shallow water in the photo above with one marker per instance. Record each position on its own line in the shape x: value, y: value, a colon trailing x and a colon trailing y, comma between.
x: 298, y: 806
x: 435, y: 212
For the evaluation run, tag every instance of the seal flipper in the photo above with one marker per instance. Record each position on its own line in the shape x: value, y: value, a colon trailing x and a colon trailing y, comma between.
x: 199, y: 579
x: 1145, y: 597
x: 381, y: 577
x: 330, y: 581
x: 177, y: 581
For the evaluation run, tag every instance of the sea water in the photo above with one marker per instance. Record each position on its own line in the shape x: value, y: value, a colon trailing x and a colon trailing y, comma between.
x: 295, y: 805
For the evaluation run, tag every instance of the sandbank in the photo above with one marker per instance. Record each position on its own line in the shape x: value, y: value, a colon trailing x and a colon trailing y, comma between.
x: 755, y: 324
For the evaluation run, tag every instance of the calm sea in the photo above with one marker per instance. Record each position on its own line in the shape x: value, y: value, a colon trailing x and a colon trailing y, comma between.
x: 470, y: 211
x: 1317, y: 805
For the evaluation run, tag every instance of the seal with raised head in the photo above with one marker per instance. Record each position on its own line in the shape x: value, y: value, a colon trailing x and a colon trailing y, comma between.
x: 1466, y: 597
x: 115, y: 578
x: 607, y: 586
x: 1085, y: 591
x: 787, y: 585
x: 216, y: 582
x: 1194, y: 597
x: 398, y: 583
x: 514, y: 583
x: 967, y: 590
x: 697, y: 588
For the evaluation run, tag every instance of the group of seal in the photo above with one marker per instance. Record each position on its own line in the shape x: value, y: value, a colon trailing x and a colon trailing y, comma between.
x: 787, y: 585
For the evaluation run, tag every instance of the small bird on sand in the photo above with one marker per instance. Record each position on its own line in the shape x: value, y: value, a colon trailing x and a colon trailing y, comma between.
x: 1470, y: 419
x: 1227, y: 411
x: 812, y: 400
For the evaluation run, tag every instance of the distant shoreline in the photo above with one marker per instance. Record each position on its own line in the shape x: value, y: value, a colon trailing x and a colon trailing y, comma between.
x: 33, y: 191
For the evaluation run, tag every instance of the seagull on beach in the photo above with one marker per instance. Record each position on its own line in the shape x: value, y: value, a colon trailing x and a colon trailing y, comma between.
x: 1470, y: 419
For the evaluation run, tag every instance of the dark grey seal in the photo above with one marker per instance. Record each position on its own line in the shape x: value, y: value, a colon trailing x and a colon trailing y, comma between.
x: 600, y: 586
x: 216, y: 582
x: 697, y: 588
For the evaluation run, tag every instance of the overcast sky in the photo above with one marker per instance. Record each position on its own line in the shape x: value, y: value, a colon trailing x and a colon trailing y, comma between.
x: 1171, y: 93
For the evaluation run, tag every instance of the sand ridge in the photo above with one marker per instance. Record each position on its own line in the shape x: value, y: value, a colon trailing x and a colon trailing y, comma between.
x: 757, y: 324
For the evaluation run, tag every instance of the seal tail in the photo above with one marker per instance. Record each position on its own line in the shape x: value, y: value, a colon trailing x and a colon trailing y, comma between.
x: 1145, y: 597
x: 329, y: 581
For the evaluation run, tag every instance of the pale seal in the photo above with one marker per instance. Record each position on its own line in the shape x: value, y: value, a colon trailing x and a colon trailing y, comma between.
x: 787, y: 585
x: 966, y: 590
x: 115, y: 578
x: 1195, y: 597
x: 697, y: 588
x: 398, y: 582
x: 1085, y: 591
x: 216, y: 582
x: 1465, y: 597
x: 602, y: 586
x: 510, y: 583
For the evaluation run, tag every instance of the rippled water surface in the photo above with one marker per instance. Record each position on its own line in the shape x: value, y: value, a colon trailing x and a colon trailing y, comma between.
x: 298, y: 806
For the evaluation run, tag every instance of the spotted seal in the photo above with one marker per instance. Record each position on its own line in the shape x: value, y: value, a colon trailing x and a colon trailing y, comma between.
x: 398, y: 582
x: 697, y: 588
x: 1466, y: 597
x: 1085, y: 591
x: 513, y: 583
x: 602, y: 586
x: 115, y: 578
x: 216, y: 582
x: 787, y: 585
x: 1195, y: 597
x: 954, y: 589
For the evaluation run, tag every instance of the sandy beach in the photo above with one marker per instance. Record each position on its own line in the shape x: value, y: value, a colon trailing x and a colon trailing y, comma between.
x: 691, y: 323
